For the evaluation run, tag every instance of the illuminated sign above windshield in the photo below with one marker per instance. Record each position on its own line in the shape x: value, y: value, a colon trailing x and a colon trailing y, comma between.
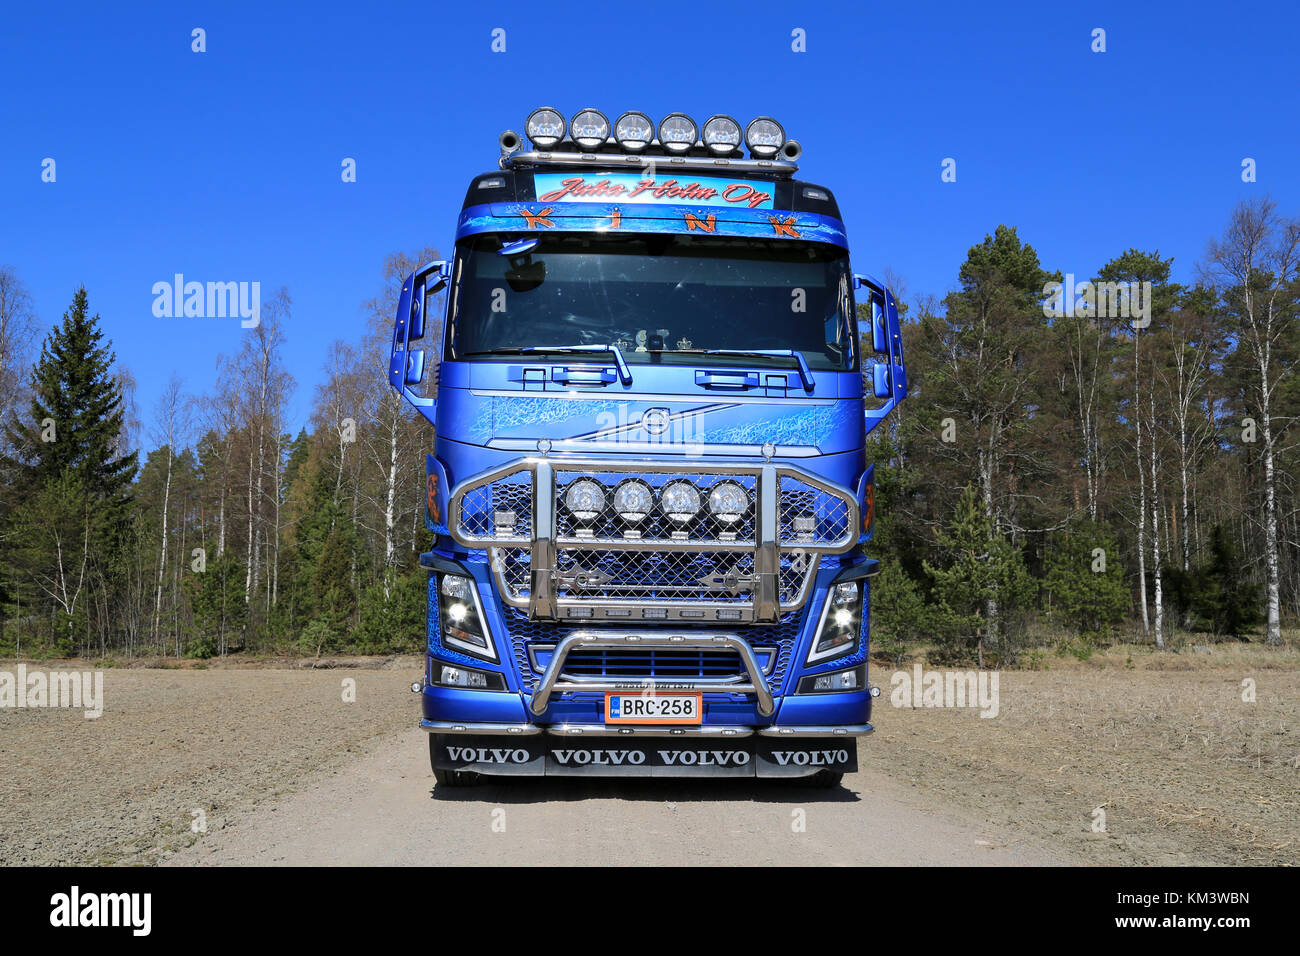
x: 635, y: 187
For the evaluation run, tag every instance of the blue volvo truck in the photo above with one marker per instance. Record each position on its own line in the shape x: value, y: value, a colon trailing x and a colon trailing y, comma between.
x: 650, y: 369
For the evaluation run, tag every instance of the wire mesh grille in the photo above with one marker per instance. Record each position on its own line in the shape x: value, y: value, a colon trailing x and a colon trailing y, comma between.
x: 810, y: 515
x: 499, y: 509
x: 608, y: 575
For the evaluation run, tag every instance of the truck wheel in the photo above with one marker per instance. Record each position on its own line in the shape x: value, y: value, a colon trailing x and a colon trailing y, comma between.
x: 450, y: 778
x: 822, y: 779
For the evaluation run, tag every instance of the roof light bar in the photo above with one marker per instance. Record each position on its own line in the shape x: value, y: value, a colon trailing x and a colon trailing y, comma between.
x: 721, y: 140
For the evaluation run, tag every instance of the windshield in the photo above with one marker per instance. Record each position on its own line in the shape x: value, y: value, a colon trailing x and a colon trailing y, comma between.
x: 659, y: 298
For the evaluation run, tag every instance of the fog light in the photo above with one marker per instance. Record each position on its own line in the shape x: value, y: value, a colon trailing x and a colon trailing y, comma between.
x: 855, y: 678
x: 459, y: 677
x: 844, y: 680
x: 469, y: 678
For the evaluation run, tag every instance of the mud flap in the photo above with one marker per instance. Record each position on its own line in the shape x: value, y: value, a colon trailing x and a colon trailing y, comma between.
x: 491, y: 753
x: 615, y: 756
x: 799, y: 757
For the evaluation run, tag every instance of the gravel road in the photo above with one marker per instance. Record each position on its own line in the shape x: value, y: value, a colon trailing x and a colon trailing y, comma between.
x: 384, y: 809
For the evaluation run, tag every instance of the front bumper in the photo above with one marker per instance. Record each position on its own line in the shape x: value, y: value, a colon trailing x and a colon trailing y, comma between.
x: 645, y: 752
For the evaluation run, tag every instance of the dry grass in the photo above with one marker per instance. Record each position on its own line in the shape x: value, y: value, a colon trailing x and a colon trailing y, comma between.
x: 1185, y: 770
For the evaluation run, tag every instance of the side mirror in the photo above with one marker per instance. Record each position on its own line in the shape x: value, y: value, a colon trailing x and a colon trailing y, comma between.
x: 407, y: 366
x: 418, y: 313
x: 880, y: 380
x: 876, y: 297
x: 414, y: 373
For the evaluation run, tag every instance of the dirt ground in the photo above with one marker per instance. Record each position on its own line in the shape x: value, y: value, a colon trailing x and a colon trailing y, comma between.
x: 1184, y: 770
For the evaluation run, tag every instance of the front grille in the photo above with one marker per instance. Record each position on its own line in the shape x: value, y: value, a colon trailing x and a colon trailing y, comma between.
x: 665, y: 665
x: 531, y: 642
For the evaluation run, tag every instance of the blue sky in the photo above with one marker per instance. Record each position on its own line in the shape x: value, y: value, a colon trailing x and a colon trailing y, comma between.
x: 225, y: 165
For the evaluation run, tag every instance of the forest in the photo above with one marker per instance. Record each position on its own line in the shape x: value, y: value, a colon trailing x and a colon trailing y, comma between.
x: 1058, y: 479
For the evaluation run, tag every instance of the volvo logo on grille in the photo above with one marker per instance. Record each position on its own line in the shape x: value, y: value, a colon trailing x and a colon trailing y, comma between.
x: 655, y: 420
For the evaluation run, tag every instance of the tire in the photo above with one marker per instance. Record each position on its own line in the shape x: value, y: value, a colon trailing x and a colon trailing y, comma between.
x: 822, y: 780
x: 450, y: 778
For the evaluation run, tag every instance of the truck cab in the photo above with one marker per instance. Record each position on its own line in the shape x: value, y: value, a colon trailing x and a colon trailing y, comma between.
x: 650, y: 382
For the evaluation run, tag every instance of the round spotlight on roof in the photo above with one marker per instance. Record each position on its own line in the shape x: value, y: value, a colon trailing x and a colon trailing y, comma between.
x: 634, y: 131
x: 545, y: 127
x: 589, y: 128
x: 722, y: 135
x: 677, y: 132
x: 764, y: 136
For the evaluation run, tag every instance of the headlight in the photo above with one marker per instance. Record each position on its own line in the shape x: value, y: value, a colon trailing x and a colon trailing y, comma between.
x: 677, y: 132
x: 764, y: 137
x: 545, y: 127
x: 634, y: 131
x: 837, y: 632
x: 633, y: 500
x: 728, y: 502
x: 585, y: 499
x: 589, y: 128
x: 461, y: 618
x: 722, y: 135
x: 680, y: 501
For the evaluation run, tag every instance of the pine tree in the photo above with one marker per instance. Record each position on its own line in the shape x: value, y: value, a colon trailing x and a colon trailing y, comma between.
x: 1226, y: 601
x: 1086, y: 581
x: 76, y: 419
x: 68, y: 526
x: 982, y: 570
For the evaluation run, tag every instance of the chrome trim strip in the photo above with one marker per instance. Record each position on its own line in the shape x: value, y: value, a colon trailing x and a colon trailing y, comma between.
x: 613, y: 640
x: 542, y: 563
x: 586, y: 446
x: 459, y: 727
x: 852, y: 730
x: 616, y: 730
x: 767, y: 556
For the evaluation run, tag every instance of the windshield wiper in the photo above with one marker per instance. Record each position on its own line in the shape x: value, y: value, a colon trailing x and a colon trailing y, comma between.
x: 624, y: 373
x: 805, y: 373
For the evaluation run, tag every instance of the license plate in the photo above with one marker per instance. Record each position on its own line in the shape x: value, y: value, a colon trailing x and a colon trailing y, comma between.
x: 653, y: 708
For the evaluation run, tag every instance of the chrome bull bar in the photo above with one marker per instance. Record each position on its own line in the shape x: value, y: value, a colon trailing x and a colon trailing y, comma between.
x: 552, y: 681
